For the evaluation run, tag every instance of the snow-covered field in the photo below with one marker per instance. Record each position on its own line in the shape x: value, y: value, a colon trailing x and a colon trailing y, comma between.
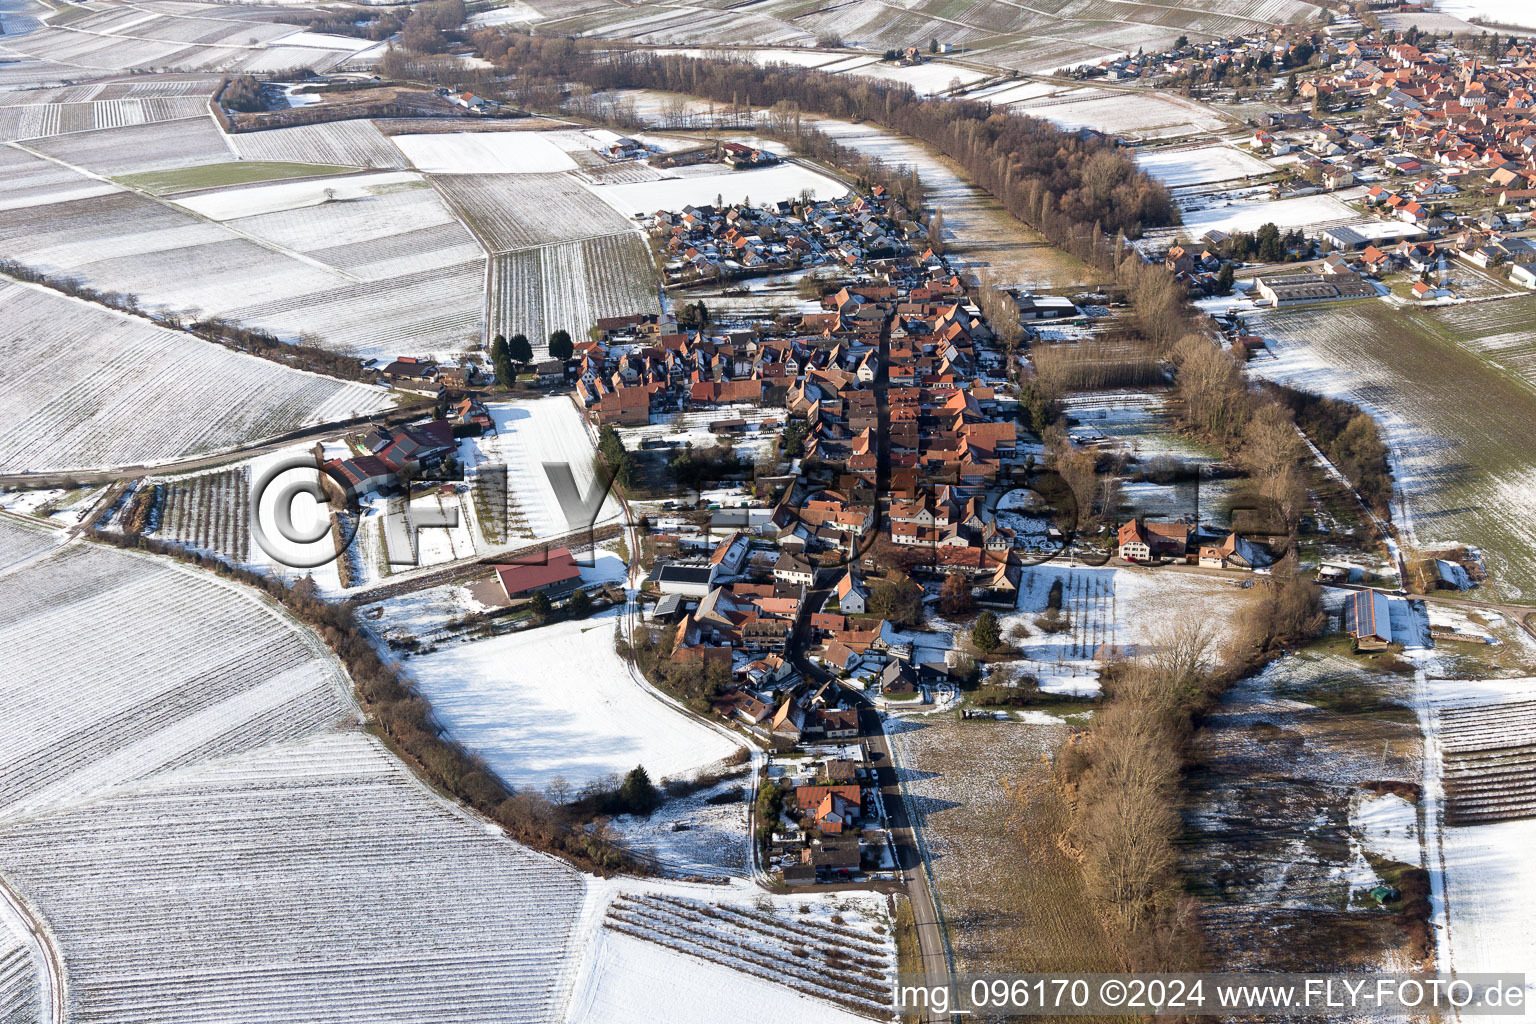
x: 558, y: 701
x: 760, y: 184
x: 91, y: 387
x: 1175, y: 167
x: 1499, y: 12
x: 529, y: 436
x: 1319, y: 211
x: 192, y: 811
x: 484, y: 153
x: 22, y: 537
x: 404, y: 278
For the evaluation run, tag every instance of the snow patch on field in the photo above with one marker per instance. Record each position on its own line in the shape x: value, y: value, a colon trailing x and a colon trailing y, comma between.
x: 1388, y: 825
x: 484, y: 153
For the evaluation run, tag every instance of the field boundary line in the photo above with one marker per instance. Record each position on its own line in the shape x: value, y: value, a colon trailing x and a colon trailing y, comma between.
x: 193, y: 214
x: 52, y: 960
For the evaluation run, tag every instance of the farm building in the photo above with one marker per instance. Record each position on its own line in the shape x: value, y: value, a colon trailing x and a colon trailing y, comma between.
x: 687, y: 579
x: 1141, y: 540
x: 1295, y: 289
x: 554, y: 574
x: 1368, y: 620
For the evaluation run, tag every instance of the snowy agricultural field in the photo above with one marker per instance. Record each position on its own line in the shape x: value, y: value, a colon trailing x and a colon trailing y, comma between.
x: 514, y: 152
x: 430, y: 301
x: 369, y: 227
x: 767, y: 184
x: 529, y: 435
x: 22, y: 537
x: 108, y: 389
x: 926, y: 79
x: 25, y: 994
x: 1518, y: 13
x: 92, y: 704
x: 1306, y: 212
x: 341, y: 143
x: 734, y: 960
x: 214, y: 882
x: 1133, y: 113
x: 1457, y: 426
x: 520, y: 211
x: 256, y: 200
x: 191, y: 810
x: 569, y: 285
x: 1200, y: 165
x: 558, y: 701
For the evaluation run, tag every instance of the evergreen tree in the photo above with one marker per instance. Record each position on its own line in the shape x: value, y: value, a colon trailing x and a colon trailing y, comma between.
x: 638, y: 794
x: 539, y: 604
x: 519, y: 349
x: 560, y: 346
x: 985, y: 634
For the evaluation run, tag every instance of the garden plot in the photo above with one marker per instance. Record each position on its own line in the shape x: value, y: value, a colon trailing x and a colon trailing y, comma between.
x: 1202, y: 165
x: 757, y: 964
x: 521, y: 211
x: 559, y: 702
x: 1109, y: 613
x: 484, y: 153
x: 110, y: 389
x: 569, y: 285
x: 1457, y: 427
x: 691, y: 836
x: 780, y: 181
x: 347, y: 143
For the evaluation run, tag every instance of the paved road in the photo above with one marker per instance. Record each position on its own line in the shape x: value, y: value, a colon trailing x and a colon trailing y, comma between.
x: 932, y: 942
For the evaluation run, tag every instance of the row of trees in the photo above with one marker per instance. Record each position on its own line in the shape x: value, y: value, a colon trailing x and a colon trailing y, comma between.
x: 1073, y: 187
